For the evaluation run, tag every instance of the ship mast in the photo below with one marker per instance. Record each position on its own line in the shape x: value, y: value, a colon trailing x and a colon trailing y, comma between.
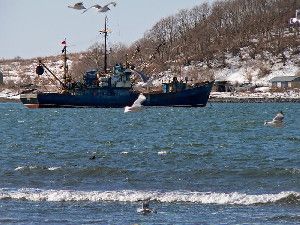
x: 105, y: 32
x: 105, y: 45
x: 65, y: 65
x: 65, y: 58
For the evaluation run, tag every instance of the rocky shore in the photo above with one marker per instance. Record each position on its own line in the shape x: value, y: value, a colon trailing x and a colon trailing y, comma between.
x: 3, y: 100
x: 218, y: 97
x: 254, y: 97
x: 253, y: 100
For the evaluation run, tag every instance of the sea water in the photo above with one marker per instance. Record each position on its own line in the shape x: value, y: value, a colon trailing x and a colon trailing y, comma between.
x: 212, y: 165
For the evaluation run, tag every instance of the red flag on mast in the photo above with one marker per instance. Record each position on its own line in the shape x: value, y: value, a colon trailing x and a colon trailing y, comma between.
x: 64, y: 42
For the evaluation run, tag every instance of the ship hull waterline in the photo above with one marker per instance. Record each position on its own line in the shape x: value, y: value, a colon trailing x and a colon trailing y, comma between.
x: 97, y: 98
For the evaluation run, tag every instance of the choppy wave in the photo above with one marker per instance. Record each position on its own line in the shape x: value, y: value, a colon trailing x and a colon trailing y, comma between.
x: 24, y: 168
x: 92, y: 170
x: 233, y: 198
x: 78, y: 170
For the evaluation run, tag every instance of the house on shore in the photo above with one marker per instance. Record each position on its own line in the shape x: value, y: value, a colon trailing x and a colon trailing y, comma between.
x: 286, y: 82
x: 222, y: 86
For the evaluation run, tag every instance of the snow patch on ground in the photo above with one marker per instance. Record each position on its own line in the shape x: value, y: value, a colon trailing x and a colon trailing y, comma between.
x: 9, y: 94
x: 238, y: 69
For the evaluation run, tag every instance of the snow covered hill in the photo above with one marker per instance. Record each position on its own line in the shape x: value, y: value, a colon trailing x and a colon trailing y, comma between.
x: 238, y: 69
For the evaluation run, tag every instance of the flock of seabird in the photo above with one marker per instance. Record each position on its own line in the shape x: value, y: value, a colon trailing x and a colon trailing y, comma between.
x: 100, y: 9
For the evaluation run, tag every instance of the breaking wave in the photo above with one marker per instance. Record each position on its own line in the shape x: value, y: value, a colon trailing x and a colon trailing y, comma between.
x: 234, y: 198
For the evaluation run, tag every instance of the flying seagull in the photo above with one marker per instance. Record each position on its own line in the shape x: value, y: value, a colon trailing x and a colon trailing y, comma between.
x: 137, y: 105
x: 101, y: 8
x: 77, y: 6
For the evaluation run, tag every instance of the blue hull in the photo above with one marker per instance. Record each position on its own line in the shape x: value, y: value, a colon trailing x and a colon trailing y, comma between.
x: 197, y: 96
x: 117, y: 98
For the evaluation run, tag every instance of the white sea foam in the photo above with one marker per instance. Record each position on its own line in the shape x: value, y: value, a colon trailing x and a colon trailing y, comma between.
x: 19, y: 168
x: 134, y: 196
x: 25, y: 167
x: 54, y: 168
x: 22, y: 168
x: 162, y: 153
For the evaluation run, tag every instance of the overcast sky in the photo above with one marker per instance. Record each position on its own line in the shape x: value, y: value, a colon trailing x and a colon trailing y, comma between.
x: 32, y: 28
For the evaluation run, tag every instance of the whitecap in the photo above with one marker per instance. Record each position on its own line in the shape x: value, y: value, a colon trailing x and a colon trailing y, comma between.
x: 54, y: 168
x: 32, y: 167
x: 233, y: 198
x: 19, y: 168
x: 162, y: 153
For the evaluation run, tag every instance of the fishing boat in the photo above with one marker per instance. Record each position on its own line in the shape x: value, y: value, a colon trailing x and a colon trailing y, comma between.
x: 113, y: 90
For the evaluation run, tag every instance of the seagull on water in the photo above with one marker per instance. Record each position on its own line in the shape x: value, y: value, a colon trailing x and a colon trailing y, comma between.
x: 145, y: 207
x: 137, y: 105
x: 102, y: 8
x: 277, y: 120
x: 77, y: 6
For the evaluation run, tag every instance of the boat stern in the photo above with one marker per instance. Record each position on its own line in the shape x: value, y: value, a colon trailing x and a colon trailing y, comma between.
x: 30, y: 100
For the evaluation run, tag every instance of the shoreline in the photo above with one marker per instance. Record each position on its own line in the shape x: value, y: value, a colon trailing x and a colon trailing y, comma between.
x: 252, y: 100
x: 6, y: 100
x: 246, y: 97
x: 212, y: 100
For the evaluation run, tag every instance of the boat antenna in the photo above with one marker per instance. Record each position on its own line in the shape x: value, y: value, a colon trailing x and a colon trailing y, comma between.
x: 105, y: 32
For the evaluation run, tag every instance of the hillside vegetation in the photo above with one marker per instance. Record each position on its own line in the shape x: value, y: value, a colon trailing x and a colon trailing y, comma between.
x: 208, y: 36
x: 209, y: 32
